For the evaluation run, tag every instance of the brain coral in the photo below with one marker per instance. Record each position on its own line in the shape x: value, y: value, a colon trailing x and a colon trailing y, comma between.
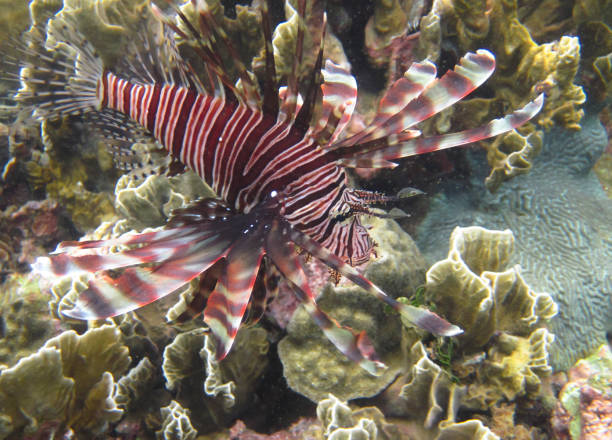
x: 560, y: 217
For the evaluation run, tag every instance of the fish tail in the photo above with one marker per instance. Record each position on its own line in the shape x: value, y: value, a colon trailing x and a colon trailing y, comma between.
x: 58, y: 76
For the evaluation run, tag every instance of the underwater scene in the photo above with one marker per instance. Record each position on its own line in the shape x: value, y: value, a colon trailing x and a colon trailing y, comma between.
x: 306, y: 219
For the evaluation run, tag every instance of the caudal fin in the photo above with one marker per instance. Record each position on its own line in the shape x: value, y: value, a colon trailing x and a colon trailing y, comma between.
x: 58, y: 80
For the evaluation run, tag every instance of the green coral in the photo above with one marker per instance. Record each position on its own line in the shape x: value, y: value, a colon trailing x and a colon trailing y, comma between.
x: 107, y: 25
x: 24, y: 320
x: 503, y: 353
x: 313, y: 366
x: 523, y: 70
x: 468, y: 289
x: 516, y: 364
x: 67, y: 384
x: 65, y: 176
x: 199, y: 381
x: 149, y: 203
x: 511, y: 155
x: 176, y: 424
x: 340, y: 422
x: 389, y: 20
x: 429, y: 394
x: 468, y: 430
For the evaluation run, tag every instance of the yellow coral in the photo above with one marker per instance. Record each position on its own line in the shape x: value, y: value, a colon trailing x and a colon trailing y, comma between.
x: 68, y: 384
x: 523, y: 69
x: 468, y: 288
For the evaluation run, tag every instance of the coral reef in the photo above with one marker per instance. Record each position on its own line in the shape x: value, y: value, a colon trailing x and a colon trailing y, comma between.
x: 65, y: 387
x: 470, y: 288
x: 476, y: 386
x: 503, y: 354
x: 312, y: 365
x: 468, y: 430
x: 552, y: 66
x: 559, y: 216
x: 31, y: 230
x: 176, y: 424
x: 24, y: 318
x: 215, y: 392
x: 342, y: 423
x: 584, y: 409
x: 149, y: 203
x: 524, y: 68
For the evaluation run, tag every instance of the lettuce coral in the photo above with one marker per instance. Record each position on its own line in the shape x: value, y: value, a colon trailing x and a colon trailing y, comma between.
x: 215, y: 391
x: 176, y: 424
x: 67, y: 386
x: 559, y: 216
x: 503, y: 353
x: 468, y: 288
x: 340, y: 422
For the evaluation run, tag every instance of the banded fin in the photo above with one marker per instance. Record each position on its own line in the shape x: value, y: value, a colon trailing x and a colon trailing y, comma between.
x: 264, y: 291
x: 152, y: 57
x: 270, y: 100
x: 304, y: 116
x: 422, y: 318
x: 220, y: 43
x: 295, y: 18
x: 339, y: 90
x: 471, y: 71
x: 228, y: 302
x: 195, y: 238
x: 217, y: 83
x: 207, y: 283
x: 355, y: 346
x: 378, y: 158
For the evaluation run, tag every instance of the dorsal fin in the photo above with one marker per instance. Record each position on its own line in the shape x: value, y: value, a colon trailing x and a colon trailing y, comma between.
x: 339, y: 90
x: 221, y: 43
x: 423, y: 95
x: 304, y: 116
x: 270, y: 100
x: 217, y: 76
x: 289, y: 101
x: 378, y: 156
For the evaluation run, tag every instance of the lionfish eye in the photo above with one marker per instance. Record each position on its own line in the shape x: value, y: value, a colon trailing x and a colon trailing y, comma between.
x: 342, y: 216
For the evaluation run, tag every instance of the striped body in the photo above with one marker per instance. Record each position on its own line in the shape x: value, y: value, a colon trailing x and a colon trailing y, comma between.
x: 244, y: 156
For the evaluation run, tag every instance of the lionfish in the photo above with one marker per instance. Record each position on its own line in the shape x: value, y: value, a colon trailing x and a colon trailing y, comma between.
x: 278, y: 171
